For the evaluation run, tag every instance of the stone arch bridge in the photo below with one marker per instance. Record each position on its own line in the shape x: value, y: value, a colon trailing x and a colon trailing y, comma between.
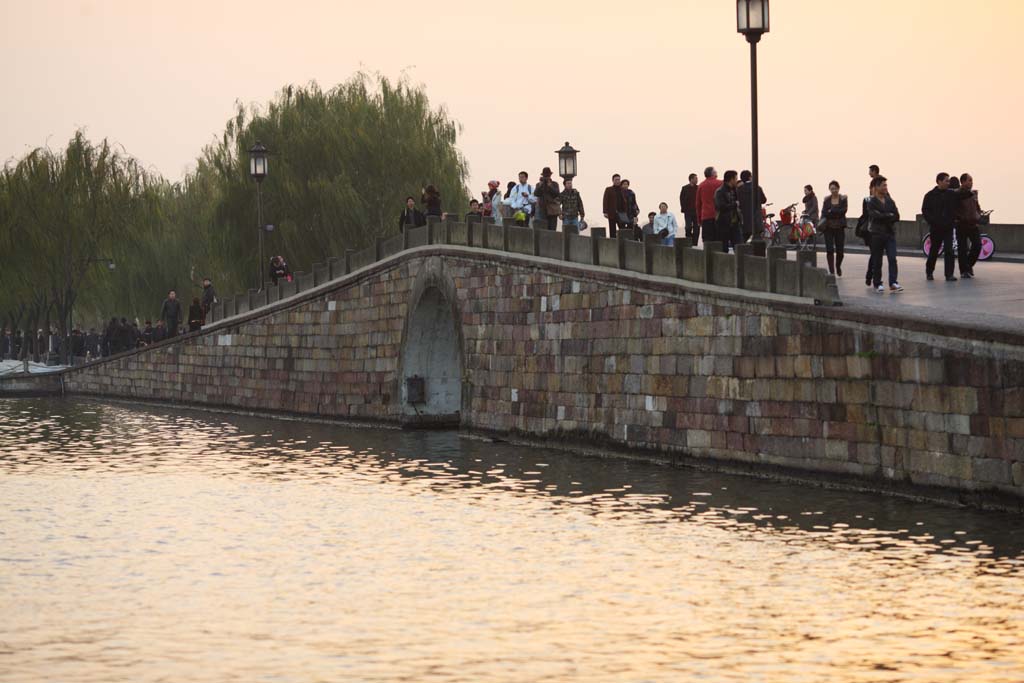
x: 671, y: 353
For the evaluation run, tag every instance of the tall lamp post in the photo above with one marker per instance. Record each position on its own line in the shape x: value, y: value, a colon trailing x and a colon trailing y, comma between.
x: 258, y: 171
x: 752, y: 22
x: 567, y: 162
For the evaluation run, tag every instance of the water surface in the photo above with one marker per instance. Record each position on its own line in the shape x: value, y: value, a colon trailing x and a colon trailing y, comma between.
x: 141, y: 544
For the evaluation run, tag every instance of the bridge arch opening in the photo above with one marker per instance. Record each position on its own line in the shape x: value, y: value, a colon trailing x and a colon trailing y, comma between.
x: 431, y: 362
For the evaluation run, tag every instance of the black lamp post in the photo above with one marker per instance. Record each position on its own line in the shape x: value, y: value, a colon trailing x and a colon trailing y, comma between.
x: 258, y: 171
x: 567, y: 162
x: 752, y: 22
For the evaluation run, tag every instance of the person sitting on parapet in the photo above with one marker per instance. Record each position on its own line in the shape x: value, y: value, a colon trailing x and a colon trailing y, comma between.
x: 665, y: 225
x: 279, y: 270
x: 411, y: 216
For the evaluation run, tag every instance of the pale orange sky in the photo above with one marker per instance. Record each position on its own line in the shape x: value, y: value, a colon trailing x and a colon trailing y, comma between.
x: 651, y: 89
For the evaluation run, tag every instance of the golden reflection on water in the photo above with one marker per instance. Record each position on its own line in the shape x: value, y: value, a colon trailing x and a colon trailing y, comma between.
x: 153, y: 545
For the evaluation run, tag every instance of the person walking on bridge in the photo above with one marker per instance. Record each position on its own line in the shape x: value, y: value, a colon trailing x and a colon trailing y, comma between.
x: 833, y: 213
x: 170, y: 313
x: 705, y: 204
x: 883, y: 215
x: 939, y: 209
x: 688, y: 208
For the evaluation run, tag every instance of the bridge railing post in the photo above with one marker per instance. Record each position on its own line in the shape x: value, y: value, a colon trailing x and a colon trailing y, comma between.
x: 775, y: 254
x: 378, y: 248
x: 742, y: 251
x: 709, y: 249
x: 536, y: 240
x: 649, y: 245
x: 681, y: 246
x: 805, y: 259
x: 595, y: 250
x: 348, y: 260
x: 566, y: 237
x: 621, y: 244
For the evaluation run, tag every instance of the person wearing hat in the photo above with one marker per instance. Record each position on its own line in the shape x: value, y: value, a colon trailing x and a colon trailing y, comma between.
x: 548, y: 206
x: 492, y: 201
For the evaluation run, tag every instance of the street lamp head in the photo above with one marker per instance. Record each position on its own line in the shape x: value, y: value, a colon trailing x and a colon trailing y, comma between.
x: 111, y: 265
x: 567, y: 161
x: 752, y: 18
x: 258, y: 161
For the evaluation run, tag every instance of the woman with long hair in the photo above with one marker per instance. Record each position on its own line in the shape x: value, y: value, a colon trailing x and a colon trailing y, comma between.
x: 833, y: 211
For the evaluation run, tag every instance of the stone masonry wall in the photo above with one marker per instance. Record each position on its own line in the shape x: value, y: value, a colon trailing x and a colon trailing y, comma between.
x: 580, y: 351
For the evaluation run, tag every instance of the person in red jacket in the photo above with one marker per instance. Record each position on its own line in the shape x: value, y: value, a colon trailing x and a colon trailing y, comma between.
x: 706, y: 204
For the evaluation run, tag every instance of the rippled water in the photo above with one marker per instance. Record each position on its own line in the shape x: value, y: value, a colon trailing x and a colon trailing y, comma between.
x: 156, y: 545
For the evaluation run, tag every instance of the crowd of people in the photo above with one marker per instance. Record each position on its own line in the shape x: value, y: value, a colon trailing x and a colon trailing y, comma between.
x: 731, y: 210
x: 117, y: 335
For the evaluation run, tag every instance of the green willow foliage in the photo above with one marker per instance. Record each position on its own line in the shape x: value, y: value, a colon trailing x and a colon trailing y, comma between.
x: 342, y: 163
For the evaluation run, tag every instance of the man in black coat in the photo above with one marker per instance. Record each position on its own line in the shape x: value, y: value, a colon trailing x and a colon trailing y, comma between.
x: 170, y: 313
x: 728, y: 221
x: 753, y: 221
x: 939, y: 209
x: 411, y: 216
x: 209, y: 297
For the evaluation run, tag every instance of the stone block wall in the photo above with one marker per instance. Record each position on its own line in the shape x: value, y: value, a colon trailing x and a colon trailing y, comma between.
x: 591, y: 354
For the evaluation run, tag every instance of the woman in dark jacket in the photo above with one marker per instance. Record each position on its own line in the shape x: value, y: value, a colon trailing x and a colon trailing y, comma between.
x: 195, y: 315
x: 833, y: 211
x: 883, y: 214
x: 431, y: 200
x: 632, y: 208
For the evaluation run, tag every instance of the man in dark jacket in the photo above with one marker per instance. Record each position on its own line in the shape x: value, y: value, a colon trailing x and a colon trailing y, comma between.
x: 614, y: 205
x: 968, y: 218
x: 170, y: 313
x: 939, y: 209
x: 728, y: 223
x: 688, y: 207
x: 209, y: 297
x: 411, y: 216
x: 753, y: 221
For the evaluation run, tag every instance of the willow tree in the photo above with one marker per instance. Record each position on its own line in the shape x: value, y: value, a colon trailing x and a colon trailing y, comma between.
x: 343, y: 162
x: 63, y: 213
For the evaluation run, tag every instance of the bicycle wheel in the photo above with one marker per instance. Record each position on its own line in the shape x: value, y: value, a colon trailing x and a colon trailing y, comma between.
x: 988, y: 247
x: 926, y: 244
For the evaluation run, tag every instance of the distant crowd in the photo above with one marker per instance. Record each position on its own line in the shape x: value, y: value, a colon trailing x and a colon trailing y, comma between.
x: 117, y: 335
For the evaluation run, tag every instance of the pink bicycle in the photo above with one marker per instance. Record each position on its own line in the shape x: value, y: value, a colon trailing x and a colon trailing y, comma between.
x: 988, y: 245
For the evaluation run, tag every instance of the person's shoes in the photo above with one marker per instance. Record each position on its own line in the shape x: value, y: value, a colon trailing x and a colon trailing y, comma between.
x: 895, y: 287
x: 868, y: 282
x: 929, y: 277
x: 839, y: 271
x: 967, y: 276
x: 951, y: 278
x: 881, y: 289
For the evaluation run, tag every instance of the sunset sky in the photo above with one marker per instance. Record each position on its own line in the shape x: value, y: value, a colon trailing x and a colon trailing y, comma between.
x: 651, y: 89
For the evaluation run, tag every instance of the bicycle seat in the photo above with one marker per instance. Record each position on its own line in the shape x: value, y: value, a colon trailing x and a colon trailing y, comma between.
x: 770, y: 215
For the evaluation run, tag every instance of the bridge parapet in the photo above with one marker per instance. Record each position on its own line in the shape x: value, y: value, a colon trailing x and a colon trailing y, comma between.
x: 742, y: 270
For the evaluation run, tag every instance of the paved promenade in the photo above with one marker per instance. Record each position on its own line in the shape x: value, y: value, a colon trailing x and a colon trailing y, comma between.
x: 993, y: 299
